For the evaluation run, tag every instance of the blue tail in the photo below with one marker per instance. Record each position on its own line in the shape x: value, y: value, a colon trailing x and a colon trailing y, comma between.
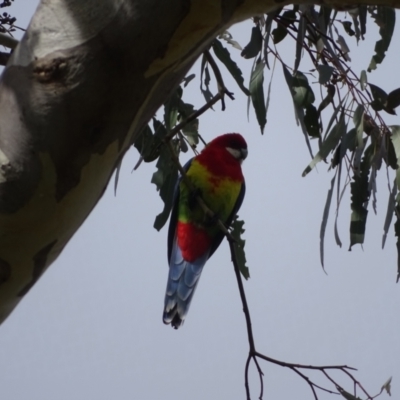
x: 182, y: 281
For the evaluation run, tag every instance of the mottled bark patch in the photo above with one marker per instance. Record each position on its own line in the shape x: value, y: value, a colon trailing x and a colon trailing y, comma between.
x: 39, y: 265
x: 5, y: 271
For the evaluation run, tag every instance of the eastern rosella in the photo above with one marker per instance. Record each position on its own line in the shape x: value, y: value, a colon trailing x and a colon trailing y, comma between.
x: 193, y: 237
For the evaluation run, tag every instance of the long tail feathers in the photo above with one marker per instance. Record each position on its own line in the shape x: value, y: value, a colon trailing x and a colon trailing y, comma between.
x: 182, y: 281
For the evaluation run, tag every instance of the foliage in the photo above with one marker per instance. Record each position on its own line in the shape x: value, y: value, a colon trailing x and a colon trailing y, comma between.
x: 356, y: 136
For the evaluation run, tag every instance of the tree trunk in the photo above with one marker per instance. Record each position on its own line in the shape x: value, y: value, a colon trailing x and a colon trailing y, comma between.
x: 83, y: 82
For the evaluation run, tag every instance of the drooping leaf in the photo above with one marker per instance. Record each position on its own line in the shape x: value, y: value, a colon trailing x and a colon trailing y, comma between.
x: 238, y: 245
x: 385, y: 18
x: 360, y: 195
x: 299, y: 41
x: 311, y: 120
x: 380, y: 97
x: 331, y: 90
x: 354, y: 15
x: 171, y: 108
x: 348, y: 29
x: 347, y: 395
x: 363, y: 79
x: 303, y: 95
x: 147, y: 145
x: 229, y: 39
x: 393, y: 101
x: 386, y: 386
x: 186, y: 80
x: 395, y: 129
x: 252, y: 49
x: 257, y: 93
x: 334, y: 115
x: 372, y: 185
x: 269, y: 89
x: 165, y: 179
x: 344, y: 47
x: 325, y: 216
x: 358, y: 119
x: 324, y: 18
x: 348, y: 142
x: 390, y: 156
x: 397, y: 233
x: 328, y: 144
x: 207, y: 78
x: 224, y: 56
x: 191, y: 129
x: 325, y: 72
x: 280, y: 32
x: 268, y: 24
x: 362, y: 17
x: 299, y: 111
x: 389, y: 212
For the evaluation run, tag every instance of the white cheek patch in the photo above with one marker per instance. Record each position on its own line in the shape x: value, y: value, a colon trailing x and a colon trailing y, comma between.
x: 236, y: 153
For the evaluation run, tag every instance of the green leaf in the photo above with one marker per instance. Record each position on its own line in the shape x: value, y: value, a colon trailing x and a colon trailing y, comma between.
x: 363, y: 79
x: 348, y: 142
x: 347, y: 27
x: 165, y: 179
x: 358, y: 119
x: 171, y: 107
x: 299, y: 112
x: 146, y: 144
x: 207, y: 78
x: 269, y: 90
x: 325, y: 221
x: 303, y: 95
x: 229, y: 39
x: 380, y: 97
x: 325, y: 73
x: 191, y: 129
x: 397, y: 233
x: 186, y: 80
x: 268, y: 23
x: 331, y: 90
x: 300, y: 41
x: 362, y: 17
x: 286, y: 19
x: 393, y: 101
x: 386, y: 386
x: 347, y: 395
x: 360, y: 194
x: 328, y: 144
x: 279, y: 33
x: 224, y: 56
x: 389, y: 212
x: 385, y: 18
x: 254, y: 46
x: 257, y: 94
x: 311, y: 120
x: 395, y: 129
x: 238, y: 246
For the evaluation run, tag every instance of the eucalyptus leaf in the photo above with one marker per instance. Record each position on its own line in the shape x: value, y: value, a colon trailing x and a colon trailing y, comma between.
x: 385, y: 18
x: 325, y: 216
x: 252, y: 49
x: 328, y: 144
x: 257, y: 94
x: 224, y: 56
x: 238, y: 246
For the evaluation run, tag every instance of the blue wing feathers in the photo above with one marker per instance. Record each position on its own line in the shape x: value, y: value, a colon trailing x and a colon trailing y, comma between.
x: 182, y: 281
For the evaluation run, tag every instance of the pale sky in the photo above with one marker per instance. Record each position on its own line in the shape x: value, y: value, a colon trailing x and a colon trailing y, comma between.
x: 91, y: 328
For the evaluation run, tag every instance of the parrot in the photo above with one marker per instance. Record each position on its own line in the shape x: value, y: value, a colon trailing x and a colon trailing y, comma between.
x: 193, y: 237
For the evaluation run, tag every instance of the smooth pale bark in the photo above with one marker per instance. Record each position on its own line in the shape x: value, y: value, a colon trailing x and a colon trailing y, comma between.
x: 85, y: 79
